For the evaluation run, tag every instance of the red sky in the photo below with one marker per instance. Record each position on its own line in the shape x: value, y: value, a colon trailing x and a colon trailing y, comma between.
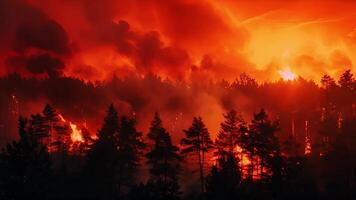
x: 94, y: 39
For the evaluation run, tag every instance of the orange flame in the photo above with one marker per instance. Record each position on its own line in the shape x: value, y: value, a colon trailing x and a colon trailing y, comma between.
x: 76, y: 134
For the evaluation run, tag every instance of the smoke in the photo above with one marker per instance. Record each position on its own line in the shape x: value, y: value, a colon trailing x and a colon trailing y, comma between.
x: 191, y: 43
x: 36, y: 44
x: 148, y: 52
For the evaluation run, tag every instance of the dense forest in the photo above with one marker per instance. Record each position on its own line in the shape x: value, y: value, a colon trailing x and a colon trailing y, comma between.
x: 288, y: 140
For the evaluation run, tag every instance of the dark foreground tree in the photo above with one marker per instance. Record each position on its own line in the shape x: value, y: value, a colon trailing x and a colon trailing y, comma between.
x: 114, y: 157
x: 130, y: 146
x: 164, y: 161
x: 197, y: 143
x: 24, y: 167
x: 224, y: 180
x: 103, y: 158
x: 262, y: 146
x: 230, y: 134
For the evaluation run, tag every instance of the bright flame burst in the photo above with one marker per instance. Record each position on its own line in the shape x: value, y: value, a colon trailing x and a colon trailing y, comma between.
x: 287, y: 75
x: 76, y: 134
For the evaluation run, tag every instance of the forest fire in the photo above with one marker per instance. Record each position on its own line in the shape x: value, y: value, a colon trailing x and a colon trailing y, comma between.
x: 177, y: 99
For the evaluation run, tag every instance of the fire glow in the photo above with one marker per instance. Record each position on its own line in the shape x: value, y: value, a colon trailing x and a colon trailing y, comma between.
x: 76, y: 134
x: 287, y: 75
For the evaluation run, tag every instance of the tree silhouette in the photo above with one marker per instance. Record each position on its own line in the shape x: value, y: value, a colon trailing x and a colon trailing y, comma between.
x: 50, y: 130
x: 130, y: 146
x: 224, y: 180
x: 103, y: 159
x: 328, y: 82
x: 164, y: 160
x: 347, y: 80
x: 262, y: 142
x: 25, y: 167
x: 230, y: 134
x: 197, y: 142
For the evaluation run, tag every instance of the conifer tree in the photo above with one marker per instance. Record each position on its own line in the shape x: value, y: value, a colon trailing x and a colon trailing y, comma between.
x: 347, y: 81
x: 230, y: 134
x: 197, y: 142
x: 50, y: 130
x: 25, y: 167
x: 224, y: 180
x: 262, y: 142
x: 164, y: 160
x: 130, y: 146
x: 103, y: 158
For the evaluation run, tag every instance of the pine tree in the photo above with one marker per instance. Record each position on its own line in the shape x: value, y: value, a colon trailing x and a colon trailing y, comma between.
x: 37, y: 125
x: 25, y: 167
x: 164, y: 160
x: 224, y: 180
x: 197, y: 142
x: 130, y: 147
x: 347, y: 80
x: 328, y: 82
x: 50, y: 130
x: 262, y: 142
x: 230, y: 134
x: 103, y: 158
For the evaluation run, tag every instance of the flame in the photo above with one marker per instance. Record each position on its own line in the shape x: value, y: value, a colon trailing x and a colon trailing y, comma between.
x: 287, y: 75
x: 245, y: 161
x: 307, y: 148
x: 76, y: 134
x: 61, y: 118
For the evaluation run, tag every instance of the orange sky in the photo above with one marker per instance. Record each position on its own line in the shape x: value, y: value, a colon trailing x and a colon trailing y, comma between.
x: 179, y: 39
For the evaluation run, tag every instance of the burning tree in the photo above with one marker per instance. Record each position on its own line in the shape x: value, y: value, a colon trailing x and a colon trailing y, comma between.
x: 58, y: 134
x: 50, y: 130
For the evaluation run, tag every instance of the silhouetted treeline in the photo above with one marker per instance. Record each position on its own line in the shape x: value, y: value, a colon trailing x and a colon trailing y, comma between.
x: 247, y: 160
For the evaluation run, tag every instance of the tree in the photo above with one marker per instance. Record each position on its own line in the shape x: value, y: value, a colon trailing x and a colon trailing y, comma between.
x: 328, y: 82
x: 50, y: 130
x: 347, y: 80
x: 25, y: 167
x: 224, y: 180
x: 164, y: 160
x: 103, y: 159
x: 230, y: 134
x: 262, y: 142
x: 130, y: 147
x: 197, y: 142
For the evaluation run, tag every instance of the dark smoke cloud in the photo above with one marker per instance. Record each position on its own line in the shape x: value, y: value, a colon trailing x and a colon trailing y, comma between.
x: 43, y: 34
x: 154, y: 36
x: 45, y: 64
x: 148, y: 51
x: 39, y: 64
x: 36, y: 44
